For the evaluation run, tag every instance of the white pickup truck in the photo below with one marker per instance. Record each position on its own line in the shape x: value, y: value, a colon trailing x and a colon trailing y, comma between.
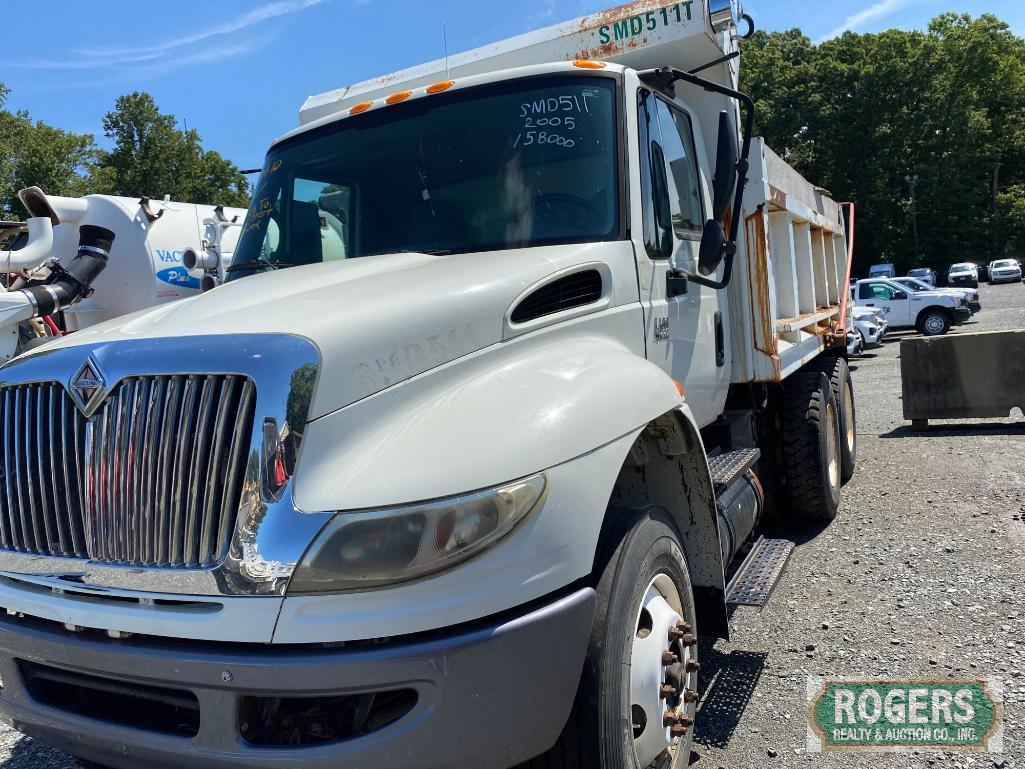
x: 932, y: 313
x: 469, y: 449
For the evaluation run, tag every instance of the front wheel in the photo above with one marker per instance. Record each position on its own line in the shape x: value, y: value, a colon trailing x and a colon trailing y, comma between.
x: 639, y: 687
x: 934, y: 323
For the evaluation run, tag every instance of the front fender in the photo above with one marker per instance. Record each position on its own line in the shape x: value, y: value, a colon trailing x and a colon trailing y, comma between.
x: 502, y: 413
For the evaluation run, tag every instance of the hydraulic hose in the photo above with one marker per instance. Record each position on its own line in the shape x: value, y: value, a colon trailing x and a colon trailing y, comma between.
x: 67, y: 284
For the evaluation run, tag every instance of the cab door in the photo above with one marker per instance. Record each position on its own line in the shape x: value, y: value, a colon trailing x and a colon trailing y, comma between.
x: 686, y: 333
x: 895, y: 303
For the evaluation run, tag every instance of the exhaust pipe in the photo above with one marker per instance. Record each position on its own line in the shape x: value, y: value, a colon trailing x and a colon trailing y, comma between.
x: 35, y: 251
x: 66, y: 285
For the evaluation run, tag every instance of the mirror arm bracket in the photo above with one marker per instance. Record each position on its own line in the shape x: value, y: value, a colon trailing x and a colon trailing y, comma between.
x: 664, y: 78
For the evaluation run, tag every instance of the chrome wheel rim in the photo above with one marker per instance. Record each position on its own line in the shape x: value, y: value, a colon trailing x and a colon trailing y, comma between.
x: 934, y: 324
x: 663, y: 653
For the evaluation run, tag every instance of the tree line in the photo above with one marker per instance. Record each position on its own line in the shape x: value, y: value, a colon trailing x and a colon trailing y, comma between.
x: 149, y: 156
x: 923, y: 130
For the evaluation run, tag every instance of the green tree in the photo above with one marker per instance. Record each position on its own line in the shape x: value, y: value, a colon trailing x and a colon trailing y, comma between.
x: 152, y: 157
x: 859, y: 113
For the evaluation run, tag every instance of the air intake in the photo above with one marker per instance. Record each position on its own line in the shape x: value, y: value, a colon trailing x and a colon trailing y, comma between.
x: 576, y: 290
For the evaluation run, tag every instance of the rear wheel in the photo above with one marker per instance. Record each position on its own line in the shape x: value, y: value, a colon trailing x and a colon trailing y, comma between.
x: 811, y: 447
x: 934, y: 323
x: 836, y: 370
x: 639, y: 686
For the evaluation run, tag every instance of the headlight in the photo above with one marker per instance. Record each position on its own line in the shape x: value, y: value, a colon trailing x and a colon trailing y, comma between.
x: 359, y: 550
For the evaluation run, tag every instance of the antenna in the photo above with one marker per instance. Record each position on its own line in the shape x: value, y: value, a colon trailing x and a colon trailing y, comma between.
x: 444, y: 35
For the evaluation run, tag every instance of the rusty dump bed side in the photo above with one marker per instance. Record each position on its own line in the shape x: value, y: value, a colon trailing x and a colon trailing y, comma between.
x: 788, y: 298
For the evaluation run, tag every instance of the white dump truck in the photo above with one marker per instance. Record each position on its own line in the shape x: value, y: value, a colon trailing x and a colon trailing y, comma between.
x: 161, y: 251
x: 470, y: 448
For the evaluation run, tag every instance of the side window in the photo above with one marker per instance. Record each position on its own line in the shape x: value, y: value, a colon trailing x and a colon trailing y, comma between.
x: 657, y: 215
x: 321, y: 221
x: 881, y: 291
x: 684, y: 190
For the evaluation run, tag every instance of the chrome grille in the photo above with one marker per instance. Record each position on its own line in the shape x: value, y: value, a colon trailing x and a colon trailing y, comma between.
x: 153, y: 478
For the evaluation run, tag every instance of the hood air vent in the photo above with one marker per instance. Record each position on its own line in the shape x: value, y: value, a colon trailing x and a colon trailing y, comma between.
x: 571, y: 291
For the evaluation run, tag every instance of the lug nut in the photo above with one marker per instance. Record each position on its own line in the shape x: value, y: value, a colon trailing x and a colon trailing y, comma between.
x: 693, y: 666
x: 677, y: 730
x: 667, y: 691
x: 684, y: 626
x: 669, y: 718
x: 675, y: 634
x: 689, y: 639
x: 668, y: 658
x: 685, y: 721
x: 689, y: 695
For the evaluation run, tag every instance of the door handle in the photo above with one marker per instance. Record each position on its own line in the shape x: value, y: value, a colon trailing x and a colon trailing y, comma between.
x: 676, y: 283
x: 870, y: 304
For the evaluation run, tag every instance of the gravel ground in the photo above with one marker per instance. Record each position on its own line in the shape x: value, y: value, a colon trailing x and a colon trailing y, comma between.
x: 920, y: 574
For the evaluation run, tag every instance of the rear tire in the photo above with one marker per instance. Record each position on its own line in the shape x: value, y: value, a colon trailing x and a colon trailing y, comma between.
x: 836, y: 370
x: 934, y: 323
x: 643, y: 590
x: 811, y: 447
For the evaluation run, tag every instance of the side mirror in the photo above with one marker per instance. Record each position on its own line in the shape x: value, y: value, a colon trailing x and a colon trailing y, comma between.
x: 900, y: 294
x: 725, y: 180
x: 712, y: 250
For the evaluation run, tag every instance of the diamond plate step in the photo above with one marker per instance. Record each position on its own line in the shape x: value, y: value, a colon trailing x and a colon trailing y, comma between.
x: 758, y: 575
x: 726, y: 468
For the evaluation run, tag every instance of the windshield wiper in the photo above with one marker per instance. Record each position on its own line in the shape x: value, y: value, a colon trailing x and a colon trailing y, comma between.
x: 257, y: 264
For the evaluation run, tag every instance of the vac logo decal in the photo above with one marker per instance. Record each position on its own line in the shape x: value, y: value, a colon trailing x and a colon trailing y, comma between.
x: 905, y: 714
x: 178, y: 276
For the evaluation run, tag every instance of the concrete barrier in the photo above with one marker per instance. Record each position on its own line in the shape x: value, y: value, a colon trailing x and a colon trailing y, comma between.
x: 959, y: 376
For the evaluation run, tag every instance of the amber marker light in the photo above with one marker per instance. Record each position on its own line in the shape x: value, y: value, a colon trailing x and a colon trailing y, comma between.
x: 395, y: 98
x: 444, y: 85
x: 363, y: 106
x: 588, y: 64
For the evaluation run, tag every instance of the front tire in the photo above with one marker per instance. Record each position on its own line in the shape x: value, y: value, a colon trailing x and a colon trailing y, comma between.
x: 934, y: 323
x: 811, y: 450
x: 624, y: 718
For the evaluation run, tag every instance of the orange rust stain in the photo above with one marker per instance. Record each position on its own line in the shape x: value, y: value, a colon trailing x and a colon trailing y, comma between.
x: 761, y: 323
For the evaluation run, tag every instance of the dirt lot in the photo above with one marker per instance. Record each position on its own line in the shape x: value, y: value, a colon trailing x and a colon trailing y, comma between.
x: 922, y: 573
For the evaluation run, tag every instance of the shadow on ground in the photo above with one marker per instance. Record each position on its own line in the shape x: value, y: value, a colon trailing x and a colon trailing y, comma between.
x: 951, y: 430
x: 727, y: 682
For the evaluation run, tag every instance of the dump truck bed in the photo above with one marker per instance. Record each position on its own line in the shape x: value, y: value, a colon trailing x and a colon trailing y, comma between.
x: 789, y: 294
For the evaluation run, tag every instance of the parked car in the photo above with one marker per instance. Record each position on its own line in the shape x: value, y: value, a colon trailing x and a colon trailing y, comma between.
x: 870, y: 324
x: 924, y: 274
x: 1004, y: 271
x: 971, y: 295
x: 854, y: 344
x: 932, y: 313
x: 963, y: 274
x: 885, y: 270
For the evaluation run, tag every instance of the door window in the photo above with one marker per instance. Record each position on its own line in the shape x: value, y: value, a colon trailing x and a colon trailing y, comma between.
x: 876, y: 291
x: 681, y: 165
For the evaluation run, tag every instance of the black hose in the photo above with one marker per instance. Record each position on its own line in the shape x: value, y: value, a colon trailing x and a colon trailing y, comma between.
x: 66, y: 285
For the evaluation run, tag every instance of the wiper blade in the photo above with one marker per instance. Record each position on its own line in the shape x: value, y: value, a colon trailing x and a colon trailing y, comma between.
x: 257, y: 264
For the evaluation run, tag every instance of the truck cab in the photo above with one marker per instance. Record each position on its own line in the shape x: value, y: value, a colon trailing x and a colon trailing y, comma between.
x: 499, y: 371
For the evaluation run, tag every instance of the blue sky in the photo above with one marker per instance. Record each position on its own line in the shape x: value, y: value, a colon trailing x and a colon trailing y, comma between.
x: 238, y: 71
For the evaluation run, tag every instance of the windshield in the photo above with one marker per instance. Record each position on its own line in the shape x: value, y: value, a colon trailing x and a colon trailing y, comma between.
x: 915, y: 284
x: 918, y: 271
x: 524, y: 163
x: 1005, y: 263
x: 965, y: 267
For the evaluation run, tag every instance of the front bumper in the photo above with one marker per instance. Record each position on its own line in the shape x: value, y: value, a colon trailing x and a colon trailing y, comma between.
x: 1008, y: 277
x: 975, y: 306
x: 957, y: 280
x: 489, y: 697
x: 961, y: 315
